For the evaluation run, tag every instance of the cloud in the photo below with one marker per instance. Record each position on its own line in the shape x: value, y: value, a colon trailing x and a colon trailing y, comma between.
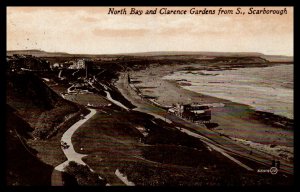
x: 120, y: 32
x: 89, y: 19
x: 81, y: 28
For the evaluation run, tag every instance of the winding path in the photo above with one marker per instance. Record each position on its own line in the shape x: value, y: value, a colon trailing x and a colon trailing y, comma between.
x: 70, y: 153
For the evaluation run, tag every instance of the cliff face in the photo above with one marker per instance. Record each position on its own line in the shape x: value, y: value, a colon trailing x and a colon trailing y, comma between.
x: 28, y: 88
x: 37, y: 104
x: 22, y: 165
x: 240, y: 60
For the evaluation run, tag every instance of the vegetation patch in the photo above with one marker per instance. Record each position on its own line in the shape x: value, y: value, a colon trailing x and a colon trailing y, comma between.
x: 161, y: 133
x: 177, y: 155
x: 84, y: 175
x: 146, y: 174
x: 273, y: 119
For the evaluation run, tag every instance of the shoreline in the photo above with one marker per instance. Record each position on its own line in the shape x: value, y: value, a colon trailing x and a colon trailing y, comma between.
x: 215, y: 136
x: 266, y: 115
x: 260, y: 88
x: 282, y: 151
x: 234, y: 119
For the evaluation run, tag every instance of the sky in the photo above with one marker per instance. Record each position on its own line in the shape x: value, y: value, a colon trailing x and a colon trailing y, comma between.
x: 91, y: 30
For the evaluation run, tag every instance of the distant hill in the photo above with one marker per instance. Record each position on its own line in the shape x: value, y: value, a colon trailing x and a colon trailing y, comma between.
x: 216, y: 54
x: 37, y: 53
x: 278, y: 58
x: 272, y: 58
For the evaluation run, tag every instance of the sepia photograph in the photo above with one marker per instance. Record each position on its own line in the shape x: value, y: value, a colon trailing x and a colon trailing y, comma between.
x: 149, y: 96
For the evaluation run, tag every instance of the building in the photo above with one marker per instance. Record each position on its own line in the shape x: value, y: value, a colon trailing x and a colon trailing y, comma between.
x: 79, y: 64
x: 194, y: 112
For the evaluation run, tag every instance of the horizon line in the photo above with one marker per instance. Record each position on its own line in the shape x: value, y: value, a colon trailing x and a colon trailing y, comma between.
x: 147, y: 52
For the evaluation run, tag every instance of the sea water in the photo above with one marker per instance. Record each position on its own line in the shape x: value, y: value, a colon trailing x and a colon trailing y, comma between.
x: 267, y: 89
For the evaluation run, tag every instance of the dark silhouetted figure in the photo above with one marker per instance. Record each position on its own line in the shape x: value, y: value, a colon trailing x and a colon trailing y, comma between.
x: 273, y: 163
x: 128, y: 78
x: 250, y: 153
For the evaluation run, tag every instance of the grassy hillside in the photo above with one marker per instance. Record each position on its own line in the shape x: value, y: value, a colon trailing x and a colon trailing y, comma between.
x: 164, y: 157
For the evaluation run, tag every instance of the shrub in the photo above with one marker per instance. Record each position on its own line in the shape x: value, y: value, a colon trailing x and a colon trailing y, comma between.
x: 83, y: 174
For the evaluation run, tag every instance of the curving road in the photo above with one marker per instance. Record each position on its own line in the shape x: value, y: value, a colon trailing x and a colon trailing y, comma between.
x: 70, y: 153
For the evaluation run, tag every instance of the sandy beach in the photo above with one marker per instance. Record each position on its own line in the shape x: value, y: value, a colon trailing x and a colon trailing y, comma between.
x: 235, y: 120
x: 268, y: 89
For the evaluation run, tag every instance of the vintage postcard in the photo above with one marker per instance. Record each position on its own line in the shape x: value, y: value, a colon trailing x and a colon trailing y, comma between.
x: 150, y: 96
